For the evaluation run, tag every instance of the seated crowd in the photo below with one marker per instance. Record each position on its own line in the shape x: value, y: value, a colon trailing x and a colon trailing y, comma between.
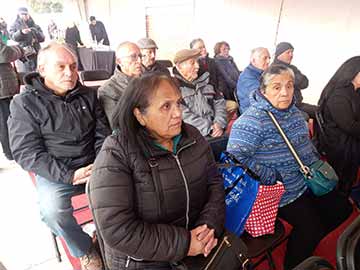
x: 141, y: 143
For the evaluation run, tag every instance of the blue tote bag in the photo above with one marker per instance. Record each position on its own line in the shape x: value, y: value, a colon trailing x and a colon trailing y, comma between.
x: 241, y: 187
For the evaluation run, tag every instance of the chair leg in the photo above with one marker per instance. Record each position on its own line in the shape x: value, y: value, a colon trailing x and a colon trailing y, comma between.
x: 56, y: 247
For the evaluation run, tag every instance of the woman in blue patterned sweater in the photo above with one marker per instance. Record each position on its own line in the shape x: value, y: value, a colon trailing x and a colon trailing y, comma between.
x: 255, y: 141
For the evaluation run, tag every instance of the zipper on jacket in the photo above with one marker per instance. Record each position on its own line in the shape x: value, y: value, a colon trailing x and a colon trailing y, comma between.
x: 185, y: 181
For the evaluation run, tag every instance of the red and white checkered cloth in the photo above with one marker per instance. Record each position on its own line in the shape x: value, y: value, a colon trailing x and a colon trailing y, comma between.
x: 264, y: 211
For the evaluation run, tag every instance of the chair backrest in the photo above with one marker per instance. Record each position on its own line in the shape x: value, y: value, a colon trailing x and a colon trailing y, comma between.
x: 314, y: 263
x: 94, y: 75
x: 348, y: 247
x: 94, y: 78
x: 218, y: 145
x: 165, y: 63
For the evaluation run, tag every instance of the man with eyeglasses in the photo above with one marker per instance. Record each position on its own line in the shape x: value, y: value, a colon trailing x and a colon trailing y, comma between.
x: 128, y: 60
x: 148, y: 49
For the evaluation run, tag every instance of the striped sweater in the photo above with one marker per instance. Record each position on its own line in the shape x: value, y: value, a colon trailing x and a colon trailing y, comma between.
x: 256, y: 142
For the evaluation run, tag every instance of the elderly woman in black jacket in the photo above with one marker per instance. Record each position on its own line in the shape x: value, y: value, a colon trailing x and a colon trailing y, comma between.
x: 340, y: 109
x: 228, y: 72
x: 155, y: 191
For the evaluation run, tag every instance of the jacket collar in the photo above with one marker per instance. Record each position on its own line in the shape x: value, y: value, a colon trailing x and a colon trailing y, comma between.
x: 258, y: 100
x: 186, y: 140
x: 202, y: 79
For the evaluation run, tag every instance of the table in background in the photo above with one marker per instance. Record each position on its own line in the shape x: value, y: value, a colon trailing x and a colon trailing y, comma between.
x: 92, y: 59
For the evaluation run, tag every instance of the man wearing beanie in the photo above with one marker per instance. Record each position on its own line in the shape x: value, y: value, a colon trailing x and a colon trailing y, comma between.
x: 148, y: 49
x: 283, y: 55
x: 204, y: 108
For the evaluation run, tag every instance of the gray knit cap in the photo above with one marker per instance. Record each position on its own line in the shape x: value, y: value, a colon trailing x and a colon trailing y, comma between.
x: 282, y: 47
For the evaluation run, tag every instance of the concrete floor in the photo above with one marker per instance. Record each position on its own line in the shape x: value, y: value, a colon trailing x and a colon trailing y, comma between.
x: 25, y: 242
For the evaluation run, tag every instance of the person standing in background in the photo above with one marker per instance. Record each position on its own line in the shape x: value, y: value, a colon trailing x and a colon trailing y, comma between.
x: 4, y: 34
x: 53, y: 30
x: 72, y: 38
x: 9, y: 86
x: 29, y: 36
x: 98, y: 31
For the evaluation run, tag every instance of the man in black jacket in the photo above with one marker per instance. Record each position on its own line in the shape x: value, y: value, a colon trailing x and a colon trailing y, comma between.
x: 98, y: 31
x: 283, y: 55
x: 56, y: 127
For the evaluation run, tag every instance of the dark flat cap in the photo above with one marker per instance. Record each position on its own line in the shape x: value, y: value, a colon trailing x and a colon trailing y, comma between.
x: 146, y: 43
x: 186, y: 54
x: 282, y: 47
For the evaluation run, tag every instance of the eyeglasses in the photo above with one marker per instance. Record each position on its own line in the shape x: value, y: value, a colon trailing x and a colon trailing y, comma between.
x: 134, y: 57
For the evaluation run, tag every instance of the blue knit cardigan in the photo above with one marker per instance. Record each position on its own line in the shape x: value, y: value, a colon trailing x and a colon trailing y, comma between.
x: 256, y: 142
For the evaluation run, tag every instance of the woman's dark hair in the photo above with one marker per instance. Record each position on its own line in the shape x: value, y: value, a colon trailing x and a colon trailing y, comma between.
x: 272, y: 71
x: 342, y: 77
x: 138, y: 94
x: 218, y: 46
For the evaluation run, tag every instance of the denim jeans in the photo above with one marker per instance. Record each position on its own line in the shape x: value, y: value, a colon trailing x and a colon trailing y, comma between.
x: 57, y: 212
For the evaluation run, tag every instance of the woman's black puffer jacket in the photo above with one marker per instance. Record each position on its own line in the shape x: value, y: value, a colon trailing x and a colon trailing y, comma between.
x: 149, y: 218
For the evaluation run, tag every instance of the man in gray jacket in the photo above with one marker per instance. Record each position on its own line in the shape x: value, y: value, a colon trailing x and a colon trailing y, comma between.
x: 9, y: 86
x: 204, y: 107
x: 128, y: 59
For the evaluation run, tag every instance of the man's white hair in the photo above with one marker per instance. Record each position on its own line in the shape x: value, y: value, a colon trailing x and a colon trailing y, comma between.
x: 44, y: 52
x: 255, y: 52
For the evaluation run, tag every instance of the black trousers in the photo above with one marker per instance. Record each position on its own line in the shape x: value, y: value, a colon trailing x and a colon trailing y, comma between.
x: 346, y: 171
x: 4, y: 135
x: 312, y: 219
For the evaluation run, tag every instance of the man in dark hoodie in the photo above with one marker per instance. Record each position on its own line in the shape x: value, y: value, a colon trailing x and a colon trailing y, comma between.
x: 283, y: 55
x: 56, y: 128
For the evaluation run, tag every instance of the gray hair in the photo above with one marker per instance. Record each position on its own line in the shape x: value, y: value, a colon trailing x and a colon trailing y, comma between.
x: 271, y: 72
x: 255, y: 52
x: 44, y: 52
x: 194, y: 41
x: 121, y: 46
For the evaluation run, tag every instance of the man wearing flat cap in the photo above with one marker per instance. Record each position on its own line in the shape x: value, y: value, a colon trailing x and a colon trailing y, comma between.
x: 29, y: 36
x: 283, y: 55
x: 204, y: 107
x: 148, y: 49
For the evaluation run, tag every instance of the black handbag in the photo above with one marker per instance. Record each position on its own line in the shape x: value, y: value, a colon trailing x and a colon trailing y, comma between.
x: 229, y: 254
